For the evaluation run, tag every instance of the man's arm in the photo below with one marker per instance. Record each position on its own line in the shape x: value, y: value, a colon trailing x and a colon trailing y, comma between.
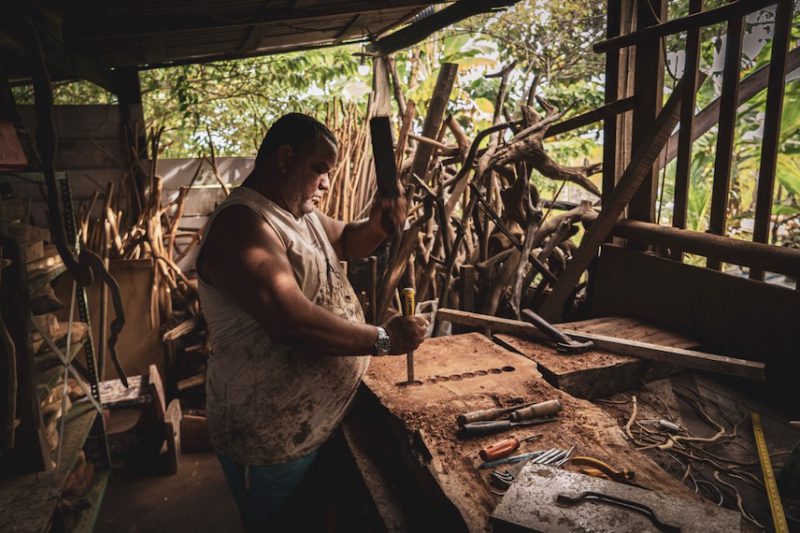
x: 360, y: 238
x: 245, y: 260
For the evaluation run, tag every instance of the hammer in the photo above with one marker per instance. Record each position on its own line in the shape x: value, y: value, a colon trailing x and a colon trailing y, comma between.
x: 564, y: 344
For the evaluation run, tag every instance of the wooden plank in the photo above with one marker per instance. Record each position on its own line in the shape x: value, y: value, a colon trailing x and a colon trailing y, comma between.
x: 649, y: 89
x: 683, y: 165
x: 772, y: 126
x: 725, y: 136
x: 590, y: 375
x: 751, y: 254
x: 721, y: 364
x: 641, y: 163
x: 434, y: 118
x: 738, y: 8
x: 608, y: 111
x: 725, y: 314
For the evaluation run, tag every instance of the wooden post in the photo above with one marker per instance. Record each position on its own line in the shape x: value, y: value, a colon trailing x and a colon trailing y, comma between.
x: 467, y: 279
x: 727, y: 125
x: 649, y: 87
x: 434, y: 118
x: 612, y: 94
x: 772, y: 126
x: 684, y: 162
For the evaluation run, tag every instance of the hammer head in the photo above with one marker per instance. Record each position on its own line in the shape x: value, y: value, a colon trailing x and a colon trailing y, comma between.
x: 574, y: 347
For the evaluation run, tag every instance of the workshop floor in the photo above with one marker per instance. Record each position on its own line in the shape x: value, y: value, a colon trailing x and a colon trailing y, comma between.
x: 195, y: 499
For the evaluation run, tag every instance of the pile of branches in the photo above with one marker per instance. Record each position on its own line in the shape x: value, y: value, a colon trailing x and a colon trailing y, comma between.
x: 478, y: 228
x: 152, y: 235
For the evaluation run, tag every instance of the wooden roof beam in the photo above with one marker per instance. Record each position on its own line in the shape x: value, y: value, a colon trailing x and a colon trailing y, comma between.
x: 421, y: 29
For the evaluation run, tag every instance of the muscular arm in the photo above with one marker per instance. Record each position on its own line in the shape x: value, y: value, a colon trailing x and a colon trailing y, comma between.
x: 353, y: 240
x: 245, y: 260
x: 360, y: 238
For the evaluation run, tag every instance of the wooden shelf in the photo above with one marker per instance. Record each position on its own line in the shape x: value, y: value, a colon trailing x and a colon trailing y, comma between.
x: 87, y: 518
x: 39, y: 278
x: 27, y: 502
x: 49, y: 368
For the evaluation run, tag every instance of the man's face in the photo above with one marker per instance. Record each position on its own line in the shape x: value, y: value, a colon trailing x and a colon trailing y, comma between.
x: 307, y: 176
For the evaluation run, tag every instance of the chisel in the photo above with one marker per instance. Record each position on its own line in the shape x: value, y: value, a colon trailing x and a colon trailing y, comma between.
x: 409, y: 308
x: 476, y: 429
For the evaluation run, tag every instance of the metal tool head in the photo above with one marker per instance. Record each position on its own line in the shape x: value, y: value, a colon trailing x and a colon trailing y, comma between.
x: 574, y: 347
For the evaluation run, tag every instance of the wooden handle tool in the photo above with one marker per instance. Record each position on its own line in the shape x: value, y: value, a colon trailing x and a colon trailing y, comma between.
x: 409, y: 309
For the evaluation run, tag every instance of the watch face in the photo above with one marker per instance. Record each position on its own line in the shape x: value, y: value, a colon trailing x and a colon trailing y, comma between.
x: 382, y: 344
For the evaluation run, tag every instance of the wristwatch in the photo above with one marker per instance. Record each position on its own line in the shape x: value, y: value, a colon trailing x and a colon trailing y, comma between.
x: 383, y: 343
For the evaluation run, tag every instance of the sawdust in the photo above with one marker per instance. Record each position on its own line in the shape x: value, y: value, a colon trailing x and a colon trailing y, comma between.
x: 430, y: 410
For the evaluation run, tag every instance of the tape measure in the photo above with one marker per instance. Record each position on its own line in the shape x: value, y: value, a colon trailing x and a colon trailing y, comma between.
x: 778, y: 518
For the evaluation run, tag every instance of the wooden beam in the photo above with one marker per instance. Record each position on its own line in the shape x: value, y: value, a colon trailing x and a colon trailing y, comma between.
x: 729, y: 103
x: 613, y: 29
x: 709, y: 116
x: 607, y: 111
x: 752, y: 254
x: 649, y: 90
x: 738, y: 8
x: 434, y: 118
x: 641, y: 163
x: 414, y: 33
x: 772, y: 126
x: 683, y: 165
x: 720, y: 364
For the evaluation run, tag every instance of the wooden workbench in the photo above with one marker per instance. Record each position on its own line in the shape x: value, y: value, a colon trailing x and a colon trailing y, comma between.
x: 467, y: 372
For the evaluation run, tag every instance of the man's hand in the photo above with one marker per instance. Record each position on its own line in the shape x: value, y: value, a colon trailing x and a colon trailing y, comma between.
x: 405, y: 333
x: 387, y: 214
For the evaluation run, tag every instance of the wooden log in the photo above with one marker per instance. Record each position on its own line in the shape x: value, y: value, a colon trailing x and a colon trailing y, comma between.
x: 752, y: 254
x: 772, y: 126
x: 434, y: 117
x: 720, y: 364
x: 641, y: 164
x: 723, y: 160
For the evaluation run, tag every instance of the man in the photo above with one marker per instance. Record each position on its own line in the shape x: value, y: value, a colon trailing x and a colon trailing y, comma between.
x: 287, y: 334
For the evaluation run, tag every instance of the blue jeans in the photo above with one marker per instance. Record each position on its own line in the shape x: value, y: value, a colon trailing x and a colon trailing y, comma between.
x: 261, y: 491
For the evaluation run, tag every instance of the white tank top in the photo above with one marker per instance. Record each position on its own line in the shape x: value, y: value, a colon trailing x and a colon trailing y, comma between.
x: 271, y: 402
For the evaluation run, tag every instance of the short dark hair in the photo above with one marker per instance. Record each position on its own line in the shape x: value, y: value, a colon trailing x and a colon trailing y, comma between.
x: 298, y: 131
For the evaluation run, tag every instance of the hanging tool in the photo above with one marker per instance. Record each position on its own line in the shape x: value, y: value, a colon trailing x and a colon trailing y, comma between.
x: 775, y: 505
x: 409, y: 308
x: 537, y: 410
x: 564, y: 344
x: 564, y: 499
x: 504, y: 447
x: 488, y: 427
x: 488, y: 414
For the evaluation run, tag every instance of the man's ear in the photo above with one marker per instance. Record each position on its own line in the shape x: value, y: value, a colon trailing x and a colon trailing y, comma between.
x: 285, y: 157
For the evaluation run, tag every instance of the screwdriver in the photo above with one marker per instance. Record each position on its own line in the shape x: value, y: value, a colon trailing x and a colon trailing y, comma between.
x: 409, y: 308
x: 504, y: 447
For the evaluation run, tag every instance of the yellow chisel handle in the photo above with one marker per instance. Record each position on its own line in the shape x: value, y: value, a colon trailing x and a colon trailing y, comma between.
x: 409, y: 308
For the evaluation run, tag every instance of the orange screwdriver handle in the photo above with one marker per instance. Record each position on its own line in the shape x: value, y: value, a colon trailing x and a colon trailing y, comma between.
x: 498, y: 450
